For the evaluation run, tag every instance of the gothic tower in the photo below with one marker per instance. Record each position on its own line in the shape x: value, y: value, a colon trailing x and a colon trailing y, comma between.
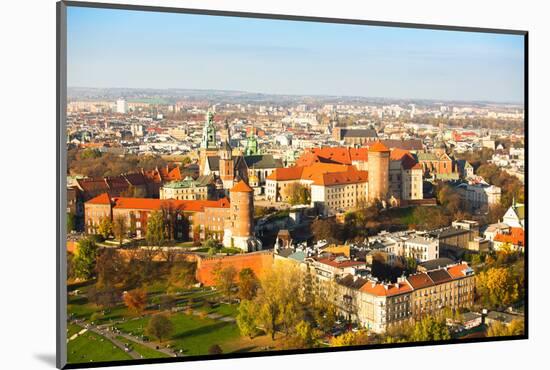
x: 208, y: 143
x: 227, y: 170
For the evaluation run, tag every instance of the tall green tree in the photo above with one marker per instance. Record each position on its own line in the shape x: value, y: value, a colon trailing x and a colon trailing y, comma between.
x: 246, y: 318
x: 430, y: 328
x: 85, y: 258
x: 105, y: 227
x: 120, y: 228
x: 155, y: 234
x: 160, y: 327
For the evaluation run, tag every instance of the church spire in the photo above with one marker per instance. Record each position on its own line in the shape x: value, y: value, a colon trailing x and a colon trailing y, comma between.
x: 209, y: 132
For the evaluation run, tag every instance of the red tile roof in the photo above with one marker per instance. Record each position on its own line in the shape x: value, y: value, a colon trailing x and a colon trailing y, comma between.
x: 458, y: 271
x: 407, y: 160
x: 378, y: 147
x: 420, y: 280
x: 305, y: 172
x: 286, y: 174
x: 339, y: 178
x: 100, y: 199
x: 241, y: 187
x: 515, y: 237
x: 338, y: 155
x: 385, y: 290
x: 157, y: 204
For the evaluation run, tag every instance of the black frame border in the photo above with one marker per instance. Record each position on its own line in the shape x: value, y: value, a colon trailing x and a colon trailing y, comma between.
x: 61, y: 161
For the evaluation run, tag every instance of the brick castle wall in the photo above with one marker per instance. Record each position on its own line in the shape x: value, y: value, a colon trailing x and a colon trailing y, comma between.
x: 257, y: 261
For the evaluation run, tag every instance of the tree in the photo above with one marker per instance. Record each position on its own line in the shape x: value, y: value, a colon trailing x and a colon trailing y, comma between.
x: 246, y: 318
x: 110, y: 268
x: 297, y: 193
x: 160, y: 327
x: 136, y: 300
x: 85, y: 258
x: 120, y: 229
x: 411, y: 264
x: 215, y: 350
x: 498, y: 329
x: 71, y: 222
x: 350, y: 338
x: 182, y: 276
x: 449, y: 198
x: 497, y: 286
x: 105, y: 227
x: 155, y: 229
x: 278, y: 296
x: 304, y: 336
x: 225, y: 281
x: 70, y: 266
x: 248, y: 284
x: 430, y: 329
x: 103, y: 295
x: 212, y: 246
x: 326, y: 229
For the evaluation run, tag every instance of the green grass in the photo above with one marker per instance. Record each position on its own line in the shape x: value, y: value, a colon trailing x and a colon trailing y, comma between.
x: 145, y: 351
x: 192, y: 334
x: 223, y: 309
x: 80, y: 308
x: 91, y: 347
x: 403, y: 215
x: 72, y: 329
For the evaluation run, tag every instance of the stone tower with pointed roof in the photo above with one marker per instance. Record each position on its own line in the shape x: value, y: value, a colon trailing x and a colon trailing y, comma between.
x: 208, y: 146
x: 239, y: 230
x: 378, y: 168
x: 227, y: 166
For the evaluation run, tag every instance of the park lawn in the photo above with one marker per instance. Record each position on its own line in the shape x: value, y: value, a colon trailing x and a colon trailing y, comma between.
x: 91, y: 347
x: 72, y: 329
x: 192, y: 334
x: 157, y: 287
x: 144, y: 351
x: 80, y: 308
x: 223, y: 309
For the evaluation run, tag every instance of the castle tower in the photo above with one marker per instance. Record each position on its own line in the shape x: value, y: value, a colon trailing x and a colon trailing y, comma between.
x: 227, y: 170
x: 239, y: 230
x: 379, y: 168
x: 208, y: 143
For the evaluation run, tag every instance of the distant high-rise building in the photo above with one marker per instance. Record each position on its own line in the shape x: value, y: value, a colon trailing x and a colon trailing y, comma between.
x: 121, y: 106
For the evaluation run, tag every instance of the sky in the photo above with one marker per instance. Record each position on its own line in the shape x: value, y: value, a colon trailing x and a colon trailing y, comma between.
x: 137, y: 49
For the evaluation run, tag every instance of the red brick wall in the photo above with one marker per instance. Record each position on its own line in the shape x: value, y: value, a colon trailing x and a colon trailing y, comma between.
x: 257, y: 261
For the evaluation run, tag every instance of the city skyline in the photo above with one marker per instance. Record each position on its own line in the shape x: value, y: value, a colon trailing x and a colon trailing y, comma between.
x: 135, y: 49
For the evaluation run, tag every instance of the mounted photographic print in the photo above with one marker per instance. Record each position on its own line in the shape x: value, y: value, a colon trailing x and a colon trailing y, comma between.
x: 236, y: 185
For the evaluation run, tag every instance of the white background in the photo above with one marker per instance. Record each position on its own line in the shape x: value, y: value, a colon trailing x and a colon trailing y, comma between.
x: 27, y: 217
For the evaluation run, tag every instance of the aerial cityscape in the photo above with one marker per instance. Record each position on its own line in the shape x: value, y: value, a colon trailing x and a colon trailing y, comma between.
x: 237, y: 215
